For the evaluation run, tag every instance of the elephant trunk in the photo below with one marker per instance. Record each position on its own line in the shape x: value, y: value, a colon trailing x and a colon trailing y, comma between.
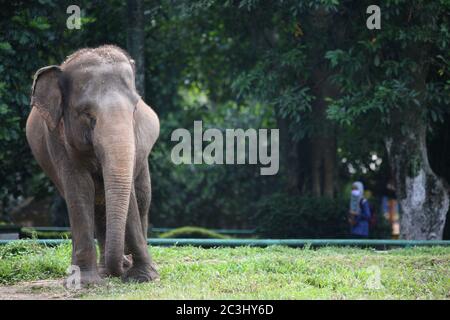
x: 118, y: 156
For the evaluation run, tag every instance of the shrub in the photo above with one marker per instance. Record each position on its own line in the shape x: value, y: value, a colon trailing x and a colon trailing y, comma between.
x: 31, y: 233
x: 19, y: 248
x: 282, y: 216
x: 192, y: 232
x: 27, y: 260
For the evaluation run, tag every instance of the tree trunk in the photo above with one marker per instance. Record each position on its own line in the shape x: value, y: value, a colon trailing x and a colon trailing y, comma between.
x: 316, y: 166
x: 422, y: 195
x: 322, y: 163
x: 323, y: 137
x: 329, y: 162
x: 136, y: 41
x: 288, y: 157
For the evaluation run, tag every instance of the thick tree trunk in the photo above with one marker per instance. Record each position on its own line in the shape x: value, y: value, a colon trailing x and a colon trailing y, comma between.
x: 323, y: 139
x: 422, y: 195
x: 329, y: 162
x: 136, y: 41
x: 288, y: 157
x: 316, y: 167
x: 322, y: 160
x: 323, y: 136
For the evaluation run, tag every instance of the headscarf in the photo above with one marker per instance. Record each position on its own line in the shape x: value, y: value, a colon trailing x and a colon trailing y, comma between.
x: 356, y: 197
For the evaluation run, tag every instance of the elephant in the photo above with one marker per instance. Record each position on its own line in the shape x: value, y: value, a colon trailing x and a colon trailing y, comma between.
x: 91, y: 133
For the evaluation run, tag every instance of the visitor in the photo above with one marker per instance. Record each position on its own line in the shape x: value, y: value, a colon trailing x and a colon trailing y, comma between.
x: 359, y: 215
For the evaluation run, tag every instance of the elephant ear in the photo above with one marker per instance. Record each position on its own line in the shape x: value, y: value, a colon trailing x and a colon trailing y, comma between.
x: 46, y: 95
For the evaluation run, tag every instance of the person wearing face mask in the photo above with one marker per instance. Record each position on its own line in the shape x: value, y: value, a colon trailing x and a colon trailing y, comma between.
x: 359, y: 215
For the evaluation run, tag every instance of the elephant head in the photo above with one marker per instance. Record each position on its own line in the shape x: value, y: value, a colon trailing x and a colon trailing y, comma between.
x: 89, y: 102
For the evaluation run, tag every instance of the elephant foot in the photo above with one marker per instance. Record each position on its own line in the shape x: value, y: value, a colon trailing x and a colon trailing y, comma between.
x: 84, y: 279
x: 102, y: 271
x: 127, y: 264
x: 141, y: 273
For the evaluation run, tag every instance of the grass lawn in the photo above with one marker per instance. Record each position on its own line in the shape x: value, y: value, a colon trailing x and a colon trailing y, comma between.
x: 243, y: 273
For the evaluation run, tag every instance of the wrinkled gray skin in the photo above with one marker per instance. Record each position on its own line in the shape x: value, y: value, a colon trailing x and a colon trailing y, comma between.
x: 92, y: 134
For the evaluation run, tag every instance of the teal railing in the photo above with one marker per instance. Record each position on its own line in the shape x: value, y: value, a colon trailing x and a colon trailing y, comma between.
x: 155, y: 230
x: 376, y: 243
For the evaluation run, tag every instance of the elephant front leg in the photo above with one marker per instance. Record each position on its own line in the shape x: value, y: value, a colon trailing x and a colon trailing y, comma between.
x: 79, y: 194
x: 143, y: 269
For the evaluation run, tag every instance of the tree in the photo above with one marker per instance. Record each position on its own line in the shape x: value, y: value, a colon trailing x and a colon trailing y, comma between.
x: 136, y: 40
x: 398, y: 76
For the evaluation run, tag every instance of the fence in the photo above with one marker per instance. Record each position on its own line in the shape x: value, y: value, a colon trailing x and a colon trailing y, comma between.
x: 154, y: 230
x: 296, y: 243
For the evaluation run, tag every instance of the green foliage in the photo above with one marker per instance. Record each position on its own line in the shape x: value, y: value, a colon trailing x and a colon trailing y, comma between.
x: 205, y: 195
x: 19, y: 248
x: 25, y: 261
x: 31, y: 233
x: 281, y: 216
x: 399, y: 71
x: 192, y: 232
x: 17, y: 64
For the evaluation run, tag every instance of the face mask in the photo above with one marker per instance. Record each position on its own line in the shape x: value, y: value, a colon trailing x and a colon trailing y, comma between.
x: 356, y: 193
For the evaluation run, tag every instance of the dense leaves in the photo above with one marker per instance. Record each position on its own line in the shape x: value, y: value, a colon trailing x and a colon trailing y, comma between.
x: 310, y: 68
x: 302, y: 217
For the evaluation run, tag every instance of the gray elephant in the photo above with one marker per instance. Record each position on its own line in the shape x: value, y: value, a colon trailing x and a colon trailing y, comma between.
x: 92, y: 134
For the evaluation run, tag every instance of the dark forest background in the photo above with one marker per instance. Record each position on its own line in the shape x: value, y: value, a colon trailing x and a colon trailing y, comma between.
x: 351, y: 104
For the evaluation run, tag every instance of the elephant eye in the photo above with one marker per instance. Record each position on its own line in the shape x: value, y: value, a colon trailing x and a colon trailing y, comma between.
x: 86, y: 114
x: 92, y: 122
x: 89, y: 117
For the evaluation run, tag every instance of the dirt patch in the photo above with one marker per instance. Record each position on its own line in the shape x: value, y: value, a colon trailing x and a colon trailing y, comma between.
x: 37, y: 290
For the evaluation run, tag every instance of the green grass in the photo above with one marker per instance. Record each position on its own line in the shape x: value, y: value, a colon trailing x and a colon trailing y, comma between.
x: 255, y: 273
x: 192, y: 232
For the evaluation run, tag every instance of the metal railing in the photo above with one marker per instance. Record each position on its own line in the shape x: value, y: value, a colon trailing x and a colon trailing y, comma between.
x: 155, y: 230
x: 296, y: 243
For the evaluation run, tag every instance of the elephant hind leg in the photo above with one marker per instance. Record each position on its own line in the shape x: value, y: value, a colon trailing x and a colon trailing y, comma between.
x: 100, y: 234
x: 143, y: 196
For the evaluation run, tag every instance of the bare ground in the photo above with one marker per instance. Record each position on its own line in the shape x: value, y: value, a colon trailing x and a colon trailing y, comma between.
x: 37, y: 290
